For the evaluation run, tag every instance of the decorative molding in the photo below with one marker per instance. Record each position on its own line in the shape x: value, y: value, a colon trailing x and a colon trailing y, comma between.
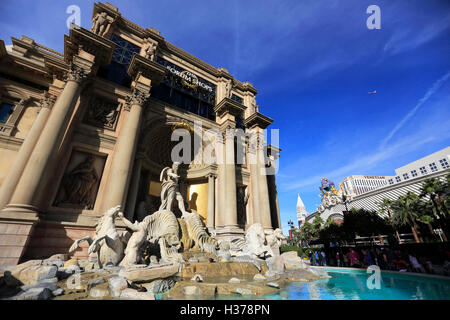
x: 48, y: 101
x: 82, y: 39
x: 258, y: 120
x: 140, y: 66
x: 10, y: 143
x: 227, y: 105
x: 94, y: 138
x: 8, y: 128
x: 75, y: 73
x: 137, y: 96
x: 101, y: 112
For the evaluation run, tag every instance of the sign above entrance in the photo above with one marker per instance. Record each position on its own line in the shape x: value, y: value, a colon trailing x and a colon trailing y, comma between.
x: 188, y: 82
x: 189, y: 79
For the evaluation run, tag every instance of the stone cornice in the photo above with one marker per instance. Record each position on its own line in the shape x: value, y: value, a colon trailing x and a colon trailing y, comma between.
x: 110, y: 9
x: 228, y: 105
x: 30, y: 64
x: 202, y: 172
x: 257, y: 120
x: 147, y: 68
x: 80, y: 38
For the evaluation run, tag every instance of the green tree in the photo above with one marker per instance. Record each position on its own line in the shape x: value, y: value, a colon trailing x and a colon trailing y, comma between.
x: 435, y: 189
x: 385, y: 207
x: 317, y: 225
x: 306, y: 233
x: 405, y: 213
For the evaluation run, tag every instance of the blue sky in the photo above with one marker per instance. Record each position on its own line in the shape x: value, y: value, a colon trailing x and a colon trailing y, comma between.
x: 314, y: 63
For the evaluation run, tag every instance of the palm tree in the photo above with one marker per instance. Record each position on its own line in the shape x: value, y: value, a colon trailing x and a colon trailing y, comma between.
x: 317, y: 225
x: 435, y: 189
x: 307, y: 231
x: 385, y: 207
x: 405, y: 213
x: 428, y: 220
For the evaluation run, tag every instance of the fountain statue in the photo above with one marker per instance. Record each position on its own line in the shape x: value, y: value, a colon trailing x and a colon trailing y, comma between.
x: 107, y: 243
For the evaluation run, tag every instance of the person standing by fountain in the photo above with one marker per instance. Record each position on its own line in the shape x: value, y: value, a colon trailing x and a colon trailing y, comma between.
x: 324, y: 258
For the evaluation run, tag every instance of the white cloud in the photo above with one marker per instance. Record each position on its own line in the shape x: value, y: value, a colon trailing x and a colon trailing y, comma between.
x: 406, y: 39
x: 435, y: 87
x: 406, y: 145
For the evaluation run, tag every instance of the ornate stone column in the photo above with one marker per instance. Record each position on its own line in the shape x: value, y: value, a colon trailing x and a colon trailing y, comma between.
x: 275, y: 209
x: 254, y: 179
x: 230, y: 217
x: 134, y: 187
x: 263, y: 190
x: 49, y: 140
x: 14, y: 174
x: 256, y: 123
x: 124, y: 150
x: 220, y: 152
x: 84, y: 53
x: 226, y: 112
x: 145, y: 73
x: 211, y: 196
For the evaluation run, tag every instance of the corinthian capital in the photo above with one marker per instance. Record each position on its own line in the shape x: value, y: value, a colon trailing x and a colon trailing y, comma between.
x: 48, y: 101
x: 76, y: 74
x: 138, y: 97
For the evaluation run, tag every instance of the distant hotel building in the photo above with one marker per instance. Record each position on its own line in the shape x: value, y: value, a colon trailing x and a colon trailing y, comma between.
x: 301, y: 212
x: 356, y: 185
x: 435, y: 162
x: 408, y: 178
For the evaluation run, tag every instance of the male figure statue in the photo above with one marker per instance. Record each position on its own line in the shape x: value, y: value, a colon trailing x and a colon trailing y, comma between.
x: 100, y: 24
x: 149, y: 50
x: 228, y: 87
x: 170, y: 189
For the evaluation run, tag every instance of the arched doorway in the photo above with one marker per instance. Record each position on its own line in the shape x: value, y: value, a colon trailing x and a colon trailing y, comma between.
x: 155, y: 153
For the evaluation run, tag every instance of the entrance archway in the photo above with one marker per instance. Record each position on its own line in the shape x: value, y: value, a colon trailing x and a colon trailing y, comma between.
x: 155, y: 150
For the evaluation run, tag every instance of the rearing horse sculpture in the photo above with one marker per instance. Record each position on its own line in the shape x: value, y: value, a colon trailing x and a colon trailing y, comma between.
x: 107, y: 243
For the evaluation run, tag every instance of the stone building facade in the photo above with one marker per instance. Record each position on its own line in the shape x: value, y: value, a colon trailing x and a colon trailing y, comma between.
x: 88, y: 129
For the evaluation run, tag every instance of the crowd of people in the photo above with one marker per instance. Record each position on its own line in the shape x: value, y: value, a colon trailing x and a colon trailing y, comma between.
x: 384, y: 257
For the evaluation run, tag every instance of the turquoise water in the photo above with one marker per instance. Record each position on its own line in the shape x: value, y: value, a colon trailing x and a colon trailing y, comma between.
x: 352, y: 285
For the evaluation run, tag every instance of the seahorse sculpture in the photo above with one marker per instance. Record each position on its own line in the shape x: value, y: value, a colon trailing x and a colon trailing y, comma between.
x: 254, y: 244
x: 197, y: 231
x: 160, y: 228
x: 107, y: 243
x: 276, y: 237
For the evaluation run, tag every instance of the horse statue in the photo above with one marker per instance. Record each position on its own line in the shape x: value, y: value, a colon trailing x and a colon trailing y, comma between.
x: 107, y: 243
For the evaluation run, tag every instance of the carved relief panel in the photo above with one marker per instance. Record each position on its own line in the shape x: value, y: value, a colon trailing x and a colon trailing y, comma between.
x: 81, y: 180
x: 102, y: 113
